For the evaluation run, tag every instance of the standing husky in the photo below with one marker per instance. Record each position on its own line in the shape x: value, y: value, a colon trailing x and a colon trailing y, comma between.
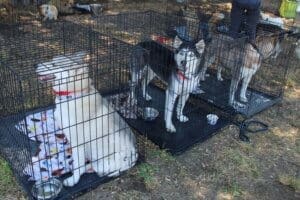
x: 48, y: 12
x: 243, y: 59
x: 95, y: 131
x: 179, y: 70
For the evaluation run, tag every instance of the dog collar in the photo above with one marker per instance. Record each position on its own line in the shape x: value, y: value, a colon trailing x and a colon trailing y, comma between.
x: 62, y: 93
x: 181, y: 75
x: 69, y: 93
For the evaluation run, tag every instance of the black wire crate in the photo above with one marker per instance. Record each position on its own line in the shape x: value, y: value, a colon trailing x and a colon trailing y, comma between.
x: 65, y: 102
x: 153, y: 66
x: 246, y: 78
x: 228, y: 76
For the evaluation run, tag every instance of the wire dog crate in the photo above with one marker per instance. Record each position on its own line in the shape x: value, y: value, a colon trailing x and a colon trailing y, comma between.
x: 155, y: 31
x: 64, y: 103
x: 105, y: 65
x: 236, y: 90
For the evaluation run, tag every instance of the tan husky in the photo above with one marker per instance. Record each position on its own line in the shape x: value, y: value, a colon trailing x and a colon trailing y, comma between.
x: 243, y: 59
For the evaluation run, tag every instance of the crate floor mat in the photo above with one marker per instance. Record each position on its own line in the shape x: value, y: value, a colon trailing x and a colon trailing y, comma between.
x: 187, y: 134
x: 217, y: 93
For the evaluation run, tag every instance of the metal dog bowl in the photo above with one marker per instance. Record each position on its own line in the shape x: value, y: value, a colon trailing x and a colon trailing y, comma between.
x: 48, y: 189
x: 149, y: 114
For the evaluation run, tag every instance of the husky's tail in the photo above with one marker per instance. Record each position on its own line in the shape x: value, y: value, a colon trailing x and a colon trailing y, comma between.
x: 83, y: 8
x: 94, y: 9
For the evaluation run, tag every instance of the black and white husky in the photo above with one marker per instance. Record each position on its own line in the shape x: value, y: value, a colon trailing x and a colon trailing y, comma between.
x: 178, y: 68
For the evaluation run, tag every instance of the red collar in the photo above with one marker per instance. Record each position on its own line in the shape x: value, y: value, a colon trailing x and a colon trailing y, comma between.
x: 181, y: 75
x: 68, y: 93
x: 62, y: 93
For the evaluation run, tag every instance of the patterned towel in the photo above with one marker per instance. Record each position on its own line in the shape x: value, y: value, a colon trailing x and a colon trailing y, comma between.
x: 54, y: 156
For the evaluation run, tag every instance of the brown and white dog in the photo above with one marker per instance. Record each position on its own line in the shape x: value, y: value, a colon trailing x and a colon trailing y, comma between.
x: 48, y: 12
x: 243, y: 59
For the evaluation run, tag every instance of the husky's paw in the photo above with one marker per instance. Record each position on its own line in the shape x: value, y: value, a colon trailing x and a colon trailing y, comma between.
x: 238, y: 106
x: 182, y: 118
x: 71, y: 181
x: 202, y: 77
x: 220, y: 78
x: 148, y: 97
x: 243, y: 99
x: 171, y: 128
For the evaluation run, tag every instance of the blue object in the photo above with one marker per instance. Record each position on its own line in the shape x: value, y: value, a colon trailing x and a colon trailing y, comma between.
x: 182, y: 33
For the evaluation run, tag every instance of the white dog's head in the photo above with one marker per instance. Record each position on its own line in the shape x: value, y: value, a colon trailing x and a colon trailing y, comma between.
x: 188, y: 55
x: 66, y: 73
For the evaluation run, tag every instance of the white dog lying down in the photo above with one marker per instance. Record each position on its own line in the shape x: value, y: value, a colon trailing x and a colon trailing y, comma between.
x: 94, y: 129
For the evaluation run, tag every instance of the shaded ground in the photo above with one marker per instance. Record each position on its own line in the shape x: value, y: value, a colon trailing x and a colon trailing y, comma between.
x: 220, y: 168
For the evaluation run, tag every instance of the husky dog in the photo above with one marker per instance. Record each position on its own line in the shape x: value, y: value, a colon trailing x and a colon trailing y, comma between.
x: 179, y: 70
x: 48, y: 12
x: 243, y: 60
x: 95, y: 131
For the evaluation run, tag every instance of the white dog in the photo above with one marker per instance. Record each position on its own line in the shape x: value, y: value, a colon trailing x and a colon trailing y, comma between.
x: 48, y: 12
x: 96, y: 132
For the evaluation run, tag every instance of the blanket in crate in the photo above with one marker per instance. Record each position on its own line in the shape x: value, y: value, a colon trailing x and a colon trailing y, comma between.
x: 54, y: 155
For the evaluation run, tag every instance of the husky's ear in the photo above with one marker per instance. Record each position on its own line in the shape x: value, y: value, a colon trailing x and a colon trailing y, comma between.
x: 200, y: 46
x: 177, y: 42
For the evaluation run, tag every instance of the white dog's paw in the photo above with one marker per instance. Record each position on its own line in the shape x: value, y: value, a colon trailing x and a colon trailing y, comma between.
x: 182, y: 118
x: 243, y: 99
x: 114, y: 174
x: 197, y: 90
x: 171, y: 128
x: 71, y: 181
x: 131, y: 101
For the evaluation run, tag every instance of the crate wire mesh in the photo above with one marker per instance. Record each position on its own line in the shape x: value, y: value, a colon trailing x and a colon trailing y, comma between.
x: 44, y: 134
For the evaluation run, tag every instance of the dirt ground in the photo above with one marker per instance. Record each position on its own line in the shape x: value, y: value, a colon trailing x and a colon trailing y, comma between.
x: 223, y: 167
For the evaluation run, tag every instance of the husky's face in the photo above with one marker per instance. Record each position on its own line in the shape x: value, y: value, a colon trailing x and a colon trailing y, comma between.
x: 66, y: 73
x: 188, y: 55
